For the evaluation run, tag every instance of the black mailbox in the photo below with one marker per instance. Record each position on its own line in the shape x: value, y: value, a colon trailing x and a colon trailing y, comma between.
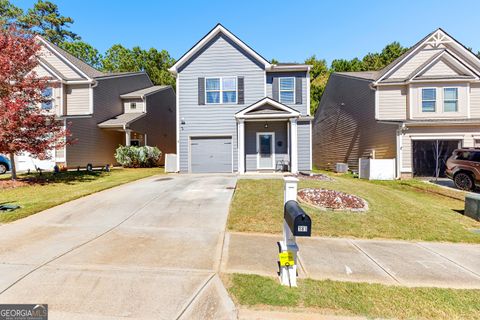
x: 298, y: 221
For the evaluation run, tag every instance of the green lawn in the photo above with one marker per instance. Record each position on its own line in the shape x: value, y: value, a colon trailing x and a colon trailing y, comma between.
x: 357, y: 299
x: 410, y: 210
x: 50, y: 190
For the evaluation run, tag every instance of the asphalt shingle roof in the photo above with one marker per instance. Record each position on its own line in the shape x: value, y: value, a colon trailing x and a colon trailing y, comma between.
x: 121, y: 120
x: 142, y: 92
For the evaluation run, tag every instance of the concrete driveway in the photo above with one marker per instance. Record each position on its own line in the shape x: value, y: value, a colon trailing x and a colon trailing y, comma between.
x: 146, y: 250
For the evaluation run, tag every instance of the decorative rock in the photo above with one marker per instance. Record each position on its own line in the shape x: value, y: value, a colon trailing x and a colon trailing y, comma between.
x: 332, y: 200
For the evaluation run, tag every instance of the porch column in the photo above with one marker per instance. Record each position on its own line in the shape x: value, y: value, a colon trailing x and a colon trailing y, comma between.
x: 241, y: 145
x: 293, y: 145
x: 127, y: 137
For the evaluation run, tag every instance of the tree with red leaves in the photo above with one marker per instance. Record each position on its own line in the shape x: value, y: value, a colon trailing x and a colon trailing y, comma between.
x: 24, y: 125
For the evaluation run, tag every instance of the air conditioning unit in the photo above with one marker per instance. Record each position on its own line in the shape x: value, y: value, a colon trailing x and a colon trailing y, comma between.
x: 341, y: 167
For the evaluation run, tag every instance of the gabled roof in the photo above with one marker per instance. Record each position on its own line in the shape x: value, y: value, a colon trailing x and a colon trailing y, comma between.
x: 143, y: 92
x: 218, y: 29
x: 435, y: 38
x: 81, y: 66
x: 453, y: 62
x: 267, y: 108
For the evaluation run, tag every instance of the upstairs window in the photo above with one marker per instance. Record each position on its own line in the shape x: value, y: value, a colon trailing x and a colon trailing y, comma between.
x: 429, y: 99
x: 221, y: 90
x: 450, y: 99
x: 133, y: 105
x: 287, y: 90
x: 47, y: 95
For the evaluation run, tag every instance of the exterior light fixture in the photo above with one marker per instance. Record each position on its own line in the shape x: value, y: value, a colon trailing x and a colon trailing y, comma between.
x: 266, y: 125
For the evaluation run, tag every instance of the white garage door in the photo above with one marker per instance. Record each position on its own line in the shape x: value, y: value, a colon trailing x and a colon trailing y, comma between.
x: 210, y: 154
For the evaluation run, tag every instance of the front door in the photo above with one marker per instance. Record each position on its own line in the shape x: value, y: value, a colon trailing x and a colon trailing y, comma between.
x: 265, y: 150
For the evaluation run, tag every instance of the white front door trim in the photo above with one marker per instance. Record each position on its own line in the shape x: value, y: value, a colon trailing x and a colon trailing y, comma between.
x: 294, y: 143
x: 272, y: 149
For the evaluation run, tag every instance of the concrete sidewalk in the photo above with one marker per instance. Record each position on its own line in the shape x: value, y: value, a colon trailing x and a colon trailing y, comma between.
x: 412, y: 264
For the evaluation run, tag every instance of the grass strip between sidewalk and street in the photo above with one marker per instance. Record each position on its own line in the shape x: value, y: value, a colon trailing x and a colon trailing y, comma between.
x: 404, y: 210
x: 38, y: 193
x: 354, y: 299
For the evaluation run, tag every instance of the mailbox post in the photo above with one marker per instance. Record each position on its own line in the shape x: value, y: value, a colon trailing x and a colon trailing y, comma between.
x: 295, y: 223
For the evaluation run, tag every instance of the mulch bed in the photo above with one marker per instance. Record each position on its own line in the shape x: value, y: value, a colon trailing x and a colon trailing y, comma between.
x: 332, y: 200
x: 10, y: 184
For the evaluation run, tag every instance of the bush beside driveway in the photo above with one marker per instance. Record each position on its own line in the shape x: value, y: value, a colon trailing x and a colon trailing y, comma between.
x: 407, y: 210
x: 35, y: 193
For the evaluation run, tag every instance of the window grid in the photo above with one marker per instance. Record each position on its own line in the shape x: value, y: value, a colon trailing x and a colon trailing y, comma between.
x: 221, y: 90
x: 287, y: 89
x: 450, y: 99
x: 429, y: 99
x: 47, y: 94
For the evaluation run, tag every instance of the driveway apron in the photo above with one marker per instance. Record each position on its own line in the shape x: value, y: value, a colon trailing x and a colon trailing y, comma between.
x: 146, y: 250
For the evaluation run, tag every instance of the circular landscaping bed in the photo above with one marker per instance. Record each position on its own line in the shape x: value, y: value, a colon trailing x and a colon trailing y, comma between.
x: 332, y: 200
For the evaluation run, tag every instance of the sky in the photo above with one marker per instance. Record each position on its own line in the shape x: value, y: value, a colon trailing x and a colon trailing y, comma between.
x: 289, y: 31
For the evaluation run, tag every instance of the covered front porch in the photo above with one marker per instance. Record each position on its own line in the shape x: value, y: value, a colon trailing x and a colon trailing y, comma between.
x: 121, y: 123
x: 267, y: 138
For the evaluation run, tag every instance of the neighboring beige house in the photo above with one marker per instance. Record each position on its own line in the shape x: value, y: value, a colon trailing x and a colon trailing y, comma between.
x: 416, y: 110
x: 102, y: 111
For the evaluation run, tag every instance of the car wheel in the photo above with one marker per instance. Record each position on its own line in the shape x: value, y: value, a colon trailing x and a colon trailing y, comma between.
x: 464, y: 181
x: 3, y: 168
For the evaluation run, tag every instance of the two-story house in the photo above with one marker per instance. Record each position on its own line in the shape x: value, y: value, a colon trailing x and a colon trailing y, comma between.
x: 416, y: 110
x: 237, y: 112
x: 101, y: 110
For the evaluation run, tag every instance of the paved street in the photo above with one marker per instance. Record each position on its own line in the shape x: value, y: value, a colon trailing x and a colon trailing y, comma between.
x: 403, y: 263
x: 145, y: 250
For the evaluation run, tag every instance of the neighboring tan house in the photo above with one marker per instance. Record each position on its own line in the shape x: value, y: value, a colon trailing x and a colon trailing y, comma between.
x: 102, y: 111
x: 237, y: 112
x: 417, y: 110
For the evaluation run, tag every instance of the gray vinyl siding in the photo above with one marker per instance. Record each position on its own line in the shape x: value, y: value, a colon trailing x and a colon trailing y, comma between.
x: 95, y: 145
x: 345, y: 128
x: 159, y: 123
x: 251, y: 129
x: 302, y: 108
x: 220, y: 57
x: 304, y: 145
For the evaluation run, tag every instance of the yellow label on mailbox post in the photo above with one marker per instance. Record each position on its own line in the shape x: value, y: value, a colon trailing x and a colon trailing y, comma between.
x: 286, y: 259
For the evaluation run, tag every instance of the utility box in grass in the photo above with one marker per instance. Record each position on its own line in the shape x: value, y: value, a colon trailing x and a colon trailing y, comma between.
x: 472, y: 206
x: 341, y: 168
x: 376, y: 169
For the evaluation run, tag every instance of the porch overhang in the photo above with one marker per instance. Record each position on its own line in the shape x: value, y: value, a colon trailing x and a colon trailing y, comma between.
x: 121, y: 122
x: 267, y: 108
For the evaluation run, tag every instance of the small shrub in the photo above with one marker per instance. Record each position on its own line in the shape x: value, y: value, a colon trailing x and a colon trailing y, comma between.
x: 138, y: 157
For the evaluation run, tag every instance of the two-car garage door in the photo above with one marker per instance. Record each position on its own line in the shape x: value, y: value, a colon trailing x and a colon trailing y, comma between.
x: 210, y: 154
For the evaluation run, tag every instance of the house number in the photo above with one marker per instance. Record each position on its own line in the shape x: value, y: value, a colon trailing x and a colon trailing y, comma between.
x: 302, y: 228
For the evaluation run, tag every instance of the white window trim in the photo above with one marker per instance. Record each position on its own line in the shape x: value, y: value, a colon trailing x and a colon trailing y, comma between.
x: 280, y: 90
x: 221, y: 90
x: 51, y: 99
x: 443, y: 99
x: 272, y: 148
x: 421, y: 100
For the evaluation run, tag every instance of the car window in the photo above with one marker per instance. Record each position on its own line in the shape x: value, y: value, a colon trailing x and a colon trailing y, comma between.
x: 463, y: 155
x: 475, y: 156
